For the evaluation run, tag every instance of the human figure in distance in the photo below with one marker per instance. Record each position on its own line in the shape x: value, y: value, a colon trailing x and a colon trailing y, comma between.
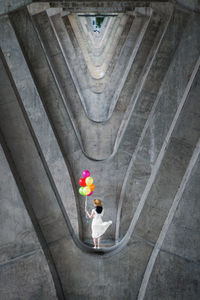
x: 98, y: 226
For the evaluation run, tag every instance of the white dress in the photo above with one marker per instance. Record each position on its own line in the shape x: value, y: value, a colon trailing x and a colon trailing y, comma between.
x: 98, y: 226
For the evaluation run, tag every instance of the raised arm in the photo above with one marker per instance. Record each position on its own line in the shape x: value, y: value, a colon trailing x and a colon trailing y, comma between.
x: 92, y: 214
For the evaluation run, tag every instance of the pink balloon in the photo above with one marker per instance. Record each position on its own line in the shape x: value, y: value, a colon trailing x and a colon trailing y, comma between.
x: 86, y: 173
x: 90, y: 193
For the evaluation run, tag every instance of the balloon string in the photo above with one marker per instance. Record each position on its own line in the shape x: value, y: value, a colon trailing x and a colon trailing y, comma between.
x: 86, y: 207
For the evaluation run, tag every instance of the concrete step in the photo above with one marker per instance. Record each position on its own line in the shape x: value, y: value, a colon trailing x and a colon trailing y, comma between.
x: 75, y: 103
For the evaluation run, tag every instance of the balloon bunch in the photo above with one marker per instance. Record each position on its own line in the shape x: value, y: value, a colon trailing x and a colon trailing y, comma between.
x: 87, y: 185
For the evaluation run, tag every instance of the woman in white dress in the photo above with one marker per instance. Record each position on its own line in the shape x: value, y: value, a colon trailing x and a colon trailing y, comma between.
x: 98, y: 226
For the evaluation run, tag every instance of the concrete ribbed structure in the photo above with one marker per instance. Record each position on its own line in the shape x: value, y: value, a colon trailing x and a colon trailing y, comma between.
x: 123, y: 103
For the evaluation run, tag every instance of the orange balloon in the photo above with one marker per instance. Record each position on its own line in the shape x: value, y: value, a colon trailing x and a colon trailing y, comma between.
x: 92, y: 187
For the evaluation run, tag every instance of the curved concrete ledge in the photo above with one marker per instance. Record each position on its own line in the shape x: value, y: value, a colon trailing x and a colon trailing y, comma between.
x: 97, y: 59
x: 99, y: 86
x: 97, y: 41
x: 92, y: 45
x: 85, y: 93
x: 71, y: 118
x: 85, y: 83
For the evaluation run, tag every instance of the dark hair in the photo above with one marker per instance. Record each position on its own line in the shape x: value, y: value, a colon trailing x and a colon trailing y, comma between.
x: 99, y: 209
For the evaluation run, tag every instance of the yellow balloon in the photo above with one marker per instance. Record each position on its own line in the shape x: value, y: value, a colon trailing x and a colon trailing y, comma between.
x: 89, y: 180
x: 86, y: 190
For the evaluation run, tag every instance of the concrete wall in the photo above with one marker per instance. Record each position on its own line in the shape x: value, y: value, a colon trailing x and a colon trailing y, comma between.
x: 24, y: 271
x: 125, y: 105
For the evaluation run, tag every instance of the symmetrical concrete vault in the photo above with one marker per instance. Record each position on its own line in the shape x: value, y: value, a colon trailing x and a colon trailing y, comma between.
x: 123, y: 103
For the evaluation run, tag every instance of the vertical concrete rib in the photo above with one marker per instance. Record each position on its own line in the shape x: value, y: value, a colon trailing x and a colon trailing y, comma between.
x: 129, y: 65
x: 42, y: 76
x: 126, y: 120
x: 36, y: 225
x: 36, y: 119
x: 168, y: 221
x: 178, y: 75
x: 160, y: 157
x: 139, y: 87
x: 24, y: 269
x: 60, y: 89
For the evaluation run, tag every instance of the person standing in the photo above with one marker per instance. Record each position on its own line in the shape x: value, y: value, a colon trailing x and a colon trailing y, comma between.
x: 98, y: 226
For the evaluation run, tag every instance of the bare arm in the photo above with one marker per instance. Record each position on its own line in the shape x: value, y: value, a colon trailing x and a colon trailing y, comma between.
x: 90, y: 216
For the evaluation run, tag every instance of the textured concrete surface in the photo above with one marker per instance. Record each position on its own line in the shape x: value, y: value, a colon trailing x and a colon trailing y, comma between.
x: 38, y: 120
x: 123, y: 104
x: 7, y: 6
x: 24, y: 271
x: 160, y: 120
x: 176, y: 268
